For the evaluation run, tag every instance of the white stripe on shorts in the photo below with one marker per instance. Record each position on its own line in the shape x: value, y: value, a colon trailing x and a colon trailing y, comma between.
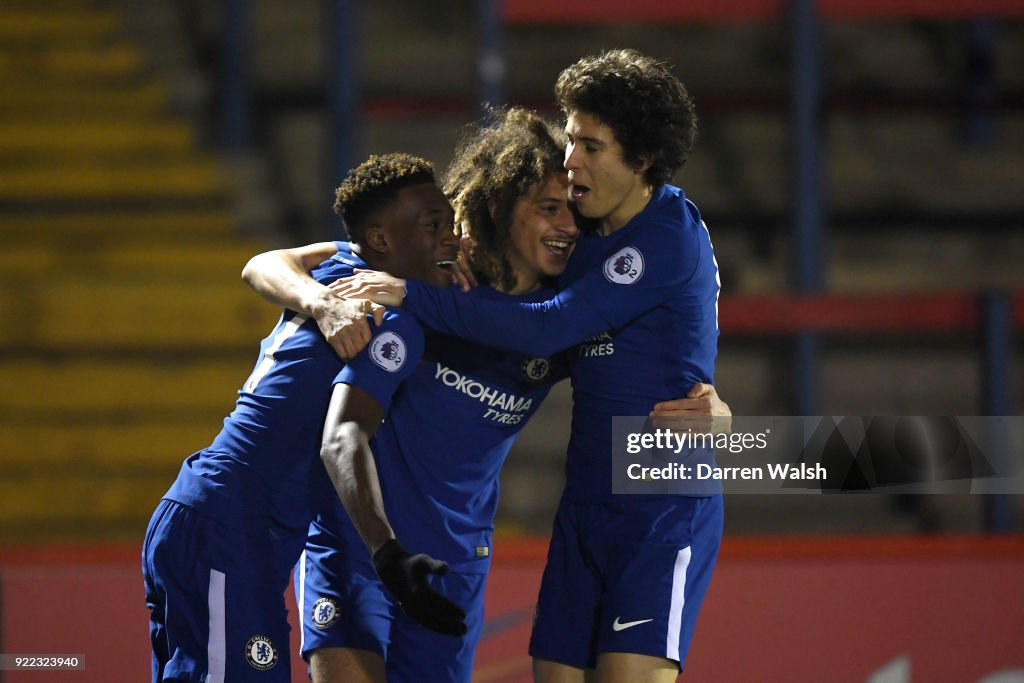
x: 216, y: 649
x: 302, y: 600
x: 675, y: 614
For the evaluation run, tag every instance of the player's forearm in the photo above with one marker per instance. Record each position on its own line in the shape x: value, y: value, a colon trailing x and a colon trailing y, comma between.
x: 537, y: 329
x: 350, y: 464
x: 281, y: 277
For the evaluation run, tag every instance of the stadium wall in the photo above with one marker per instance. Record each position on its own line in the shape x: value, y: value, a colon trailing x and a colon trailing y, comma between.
x: 858, y: 608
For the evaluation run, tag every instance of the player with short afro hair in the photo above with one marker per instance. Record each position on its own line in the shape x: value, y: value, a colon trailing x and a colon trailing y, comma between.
x: 646, y: 106
x: 375, y: 183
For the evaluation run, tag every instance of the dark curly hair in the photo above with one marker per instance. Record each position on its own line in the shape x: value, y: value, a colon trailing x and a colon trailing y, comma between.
x: 375, y: 183
x: 496, y: 162
x: 643, y: 103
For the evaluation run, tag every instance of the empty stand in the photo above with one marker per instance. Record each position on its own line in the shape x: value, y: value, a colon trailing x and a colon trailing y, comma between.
x: 128, y: 328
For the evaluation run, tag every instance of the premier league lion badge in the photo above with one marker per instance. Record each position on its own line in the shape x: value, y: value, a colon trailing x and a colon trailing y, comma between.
x: 625, y: 266
x: 388, y: 351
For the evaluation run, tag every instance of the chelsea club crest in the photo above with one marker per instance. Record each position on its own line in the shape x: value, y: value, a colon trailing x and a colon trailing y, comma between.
x: 325, y: 613
x: 536, y: 369
x: 261, y: 653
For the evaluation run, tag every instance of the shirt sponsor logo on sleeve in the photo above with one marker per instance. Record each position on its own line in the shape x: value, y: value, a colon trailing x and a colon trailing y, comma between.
x: 625, y: 266
x: 388, y: 351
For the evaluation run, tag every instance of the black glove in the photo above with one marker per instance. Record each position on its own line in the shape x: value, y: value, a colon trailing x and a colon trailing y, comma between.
x: 405, y: 575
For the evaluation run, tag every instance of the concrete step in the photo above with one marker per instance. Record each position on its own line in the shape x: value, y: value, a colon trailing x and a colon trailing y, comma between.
x: 24, y: 100
x: 58, y: 506
x: 71, y: 66
x: 89, y: 139
x: 113, y: 227
x: 52, y: 5
x: 129, y: 261
x: 153, y: 446
x: 871, y: 162
x: 69, y: 313
x: 882, y: 258
x: 867, y: 375
x: 56, y: 25
x: 191, y: 179
x: 128, y: 389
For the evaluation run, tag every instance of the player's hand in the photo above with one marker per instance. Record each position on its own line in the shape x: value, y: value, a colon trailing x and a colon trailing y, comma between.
x: 701, y: 400
x: 405, y: 575
x: 374, y: 285
x: 462, y: 273
x: 344, y: 324
x: 701, y: 410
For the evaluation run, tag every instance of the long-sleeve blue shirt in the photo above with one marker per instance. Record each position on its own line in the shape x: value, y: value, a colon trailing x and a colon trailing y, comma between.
x: 641, y: 305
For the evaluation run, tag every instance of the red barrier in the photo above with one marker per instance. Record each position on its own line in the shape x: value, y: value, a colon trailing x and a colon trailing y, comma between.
x: 515, y: 551
x: 614, y: 11
x: 779, y: 608
x: 782, y: 313
x: 839, y: 609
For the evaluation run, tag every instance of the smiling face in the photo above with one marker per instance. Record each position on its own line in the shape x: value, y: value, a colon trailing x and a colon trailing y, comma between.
x: 601, y: 183
x: 415, y: 235
x: 543, y: 233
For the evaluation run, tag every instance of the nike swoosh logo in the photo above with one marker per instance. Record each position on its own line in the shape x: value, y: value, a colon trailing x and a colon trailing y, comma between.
x: 619, y: 626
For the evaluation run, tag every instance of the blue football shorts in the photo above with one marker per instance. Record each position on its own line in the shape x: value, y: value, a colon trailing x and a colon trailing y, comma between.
x: 344, y: 604
x: 627, y: 576
x: 216, y: 602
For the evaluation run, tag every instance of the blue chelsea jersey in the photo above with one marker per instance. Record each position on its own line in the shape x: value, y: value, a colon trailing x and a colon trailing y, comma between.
x: 442, y: 446
x: 263, y: 471
x: 641, y: 308
x: 662, y: 258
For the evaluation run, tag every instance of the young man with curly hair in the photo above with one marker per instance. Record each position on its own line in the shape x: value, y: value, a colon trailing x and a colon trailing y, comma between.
x: 639, y: 568
x: 221, y: 544
x: 626, y: 574
x: 437, y: 477
x: 440, y: 477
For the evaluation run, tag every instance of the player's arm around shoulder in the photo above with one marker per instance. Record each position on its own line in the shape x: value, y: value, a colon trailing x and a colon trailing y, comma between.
x: 282, y: 277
